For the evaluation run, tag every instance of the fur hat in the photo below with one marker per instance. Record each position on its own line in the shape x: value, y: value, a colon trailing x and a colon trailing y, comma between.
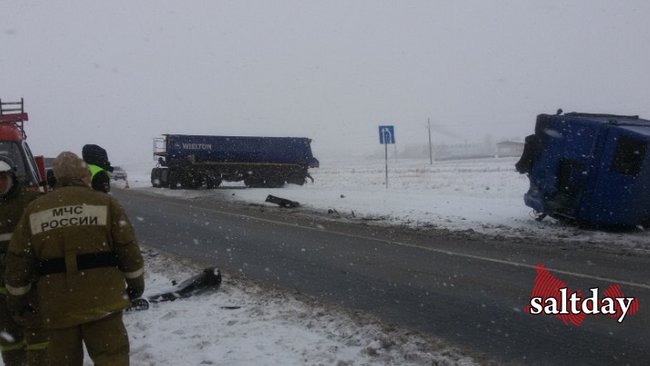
x: 68, y: 167
x: 96, y: 155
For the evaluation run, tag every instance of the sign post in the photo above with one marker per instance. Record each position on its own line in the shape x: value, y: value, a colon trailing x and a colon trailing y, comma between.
x: 386, y: 136
x: 430, y: 149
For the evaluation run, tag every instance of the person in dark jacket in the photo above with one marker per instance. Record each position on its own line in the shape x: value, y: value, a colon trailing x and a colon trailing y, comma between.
x: 22, y: 342
x: 100, y: 168
x: 76, y: 248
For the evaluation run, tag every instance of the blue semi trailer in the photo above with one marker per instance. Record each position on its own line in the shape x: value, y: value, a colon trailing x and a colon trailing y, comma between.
x: 194, y: 161
x: 589, y: 169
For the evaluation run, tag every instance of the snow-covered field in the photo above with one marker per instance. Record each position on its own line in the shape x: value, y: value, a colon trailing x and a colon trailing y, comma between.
x: 273, y: 328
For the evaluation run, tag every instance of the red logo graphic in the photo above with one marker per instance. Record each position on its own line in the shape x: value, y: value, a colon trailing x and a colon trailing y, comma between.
x: 551, y: 296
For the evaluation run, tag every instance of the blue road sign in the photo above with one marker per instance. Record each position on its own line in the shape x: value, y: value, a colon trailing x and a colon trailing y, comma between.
x: 386, y: 135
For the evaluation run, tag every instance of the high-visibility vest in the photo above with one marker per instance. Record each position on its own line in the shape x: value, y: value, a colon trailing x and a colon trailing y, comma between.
x: 94, y: 169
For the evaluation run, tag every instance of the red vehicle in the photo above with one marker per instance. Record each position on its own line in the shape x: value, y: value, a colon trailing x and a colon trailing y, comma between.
x: 31, y: 170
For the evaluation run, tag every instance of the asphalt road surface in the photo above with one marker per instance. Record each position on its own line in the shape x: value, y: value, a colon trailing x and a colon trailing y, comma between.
x: 467, y: 289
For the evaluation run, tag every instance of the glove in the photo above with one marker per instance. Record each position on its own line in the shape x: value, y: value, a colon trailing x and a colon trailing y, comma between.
x: 135, y: 287
x: 24, y: 310
x: 25, y: 316
x: 133, y: 293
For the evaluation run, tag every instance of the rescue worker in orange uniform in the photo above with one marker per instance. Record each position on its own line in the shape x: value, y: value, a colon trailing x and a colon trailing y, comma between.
x: 78, y: 249
x: 23, y: 342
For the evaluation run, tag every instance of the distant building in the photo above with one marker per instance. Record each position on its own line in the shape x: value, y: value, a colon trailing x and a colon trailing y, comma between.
x: 509, y: 148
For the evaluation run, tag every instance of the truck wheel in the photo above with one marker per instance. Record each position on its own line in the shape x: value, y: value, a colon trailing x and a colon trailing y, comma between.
x: 253, y: 182
x: 212, y: 181
x: 298, y: 179
x: 174, y: 178
x: 155, y: 177
x: 186, y: 181
x: 164, y: 177
x: 190, y: 180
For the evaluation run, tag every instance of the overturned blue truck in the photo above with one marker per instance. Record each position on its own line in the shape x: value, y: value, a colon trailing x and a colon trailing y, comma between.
x: 195, y: 161
x: 592, y: 170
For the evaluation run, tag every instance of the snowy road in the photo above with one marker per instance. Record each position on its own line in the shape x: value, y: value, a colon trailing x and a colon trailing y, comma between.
x: 473, y: 297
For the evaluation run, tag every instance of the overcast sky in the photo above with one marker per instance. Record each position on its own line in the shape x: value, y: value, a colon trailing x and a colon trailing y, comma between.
x: 118, y: 73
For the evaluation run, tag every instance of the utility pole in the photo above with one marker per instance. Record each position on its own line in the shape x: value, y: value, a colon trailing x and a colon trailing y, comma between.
x: 430, y: 148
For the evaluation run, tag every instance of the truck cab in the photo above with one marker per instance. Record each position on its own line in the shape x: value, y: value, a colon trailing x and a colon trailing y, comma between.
x: 30, y: 169
x: 589, y: 169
